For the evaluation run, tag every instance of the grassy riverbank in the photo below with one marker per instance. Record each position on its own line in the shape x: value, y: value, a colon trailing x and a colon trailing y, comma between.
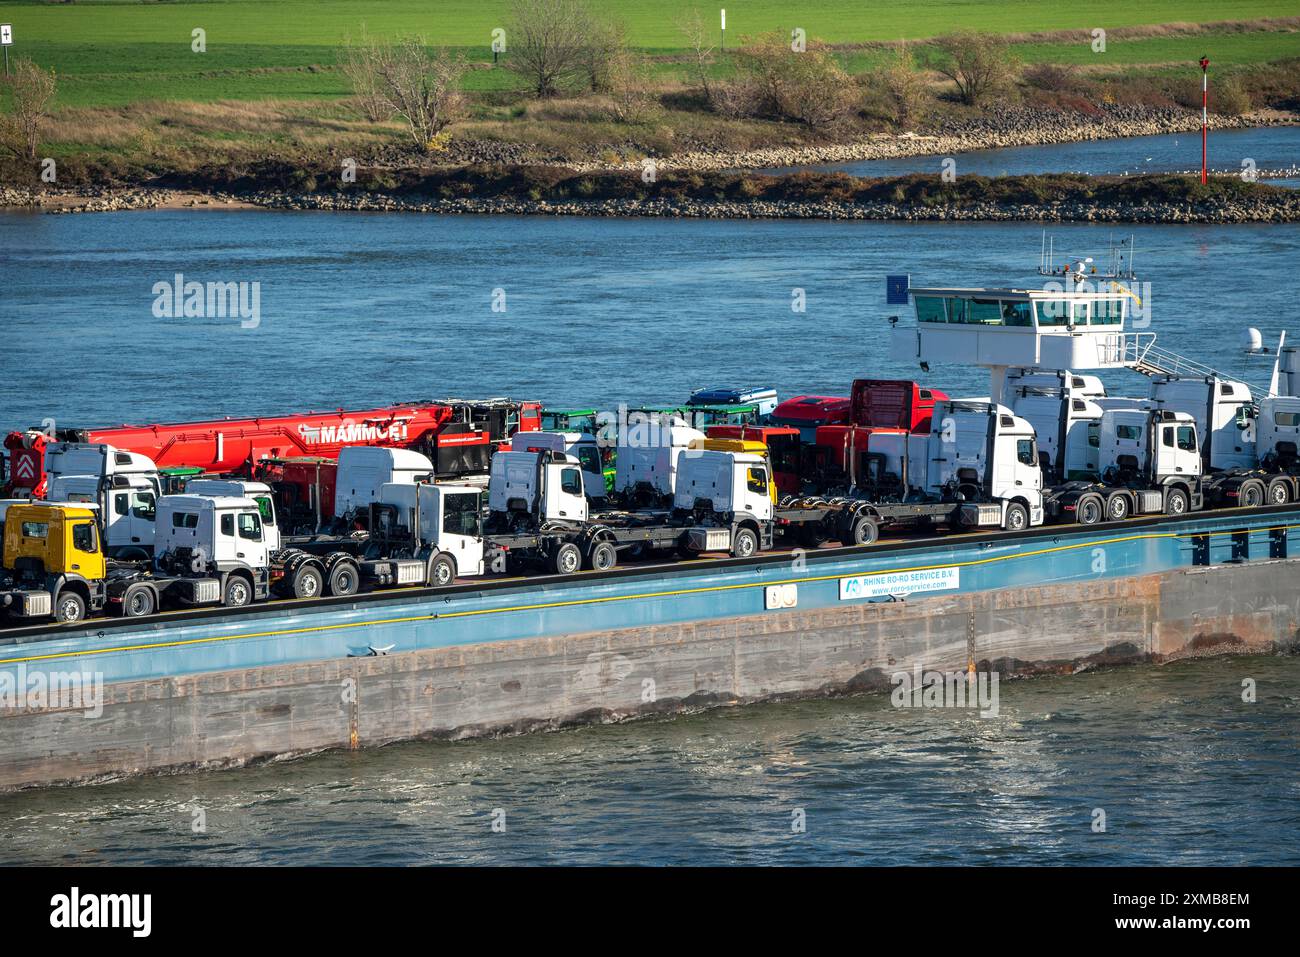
x: 134, y: 97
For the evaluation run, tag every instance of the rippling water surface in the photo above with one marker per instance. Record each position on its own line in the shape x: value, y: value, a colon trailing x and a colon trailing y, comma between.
x: 1185, y: 771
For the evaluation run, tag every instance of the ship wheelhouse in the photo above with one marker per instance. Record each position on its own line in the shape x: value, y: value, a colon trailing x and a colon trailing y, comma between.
x: 1028, y: 328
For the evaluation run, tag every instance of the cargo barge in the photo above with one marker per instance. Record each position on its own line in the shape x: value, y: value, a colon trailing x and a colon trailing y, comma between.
x: 215, y: 688
x: 1081, y: 529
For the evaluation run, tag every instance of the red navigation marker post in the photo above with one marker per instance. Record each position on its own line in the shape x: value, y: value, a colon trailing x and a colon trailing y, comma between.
x: 1205, y: 117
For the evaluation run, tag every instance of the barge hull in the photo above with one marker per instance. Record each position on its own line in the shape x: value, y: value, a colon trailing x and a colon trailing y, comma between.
x: 236, y: 716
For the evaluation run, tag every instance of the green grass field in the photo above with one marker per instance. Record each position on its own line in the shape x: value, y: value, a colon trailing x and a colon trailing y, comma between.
x: 110, y: 53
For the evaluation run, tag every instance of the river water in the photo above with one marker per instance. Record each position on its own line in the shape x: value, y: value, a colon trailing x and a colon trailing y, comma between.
x: 1268, y: 151
x: 1184, y: 771
x: 361, y: 308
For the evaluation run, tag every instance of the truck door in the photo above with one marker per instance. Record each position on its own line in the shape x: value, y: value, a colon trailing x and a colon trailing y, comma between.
x: 593, y: 470
x: 1178, y: 453
x: 270, y: 529
x: 758, y: 500
x: 251, y: 547
x: 461, y: 534
x: 85, y: 557
x: 566, y: 496
x: 117, y: 520
x: 144, y: 510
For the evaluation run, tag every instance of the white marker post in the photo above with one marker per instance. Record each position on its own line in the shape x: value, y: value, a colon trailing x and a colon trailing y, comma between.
x: 6, y: 41
x: 723, y: 43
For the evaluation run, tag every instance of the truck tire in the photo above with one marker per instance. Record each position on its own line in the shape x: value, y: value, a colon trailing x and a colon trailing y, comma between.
x: 744, y: 543
x: 1089, y: 510
x: 1117, y: 508
x: 863, y: 531
x: 1017, y: 518
x: 1176, y: 502
x: 442, y: 571
x: 344, y: 579
x: 139, y: 602
x: 1251, y: 495
x: 603, y: 557
x: 69, y: 606
x: 238, y: 592
x: 1278, y: 492
x: 566, y: 559
x: 307, y: 582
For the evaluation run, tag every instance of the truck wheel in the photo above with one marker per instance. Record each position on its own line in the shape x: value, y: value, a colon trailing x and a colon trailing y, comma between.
x: 1017, y: 519
x: 1089, y: 510
x: 238, y: 592
x: 1117, y: 508
x: 138, y: 603
x: 566, y: 560
x: 1176, y: 502
x: 442, y: 571
x: 344, y: 580
x: 307, y: 582
x: 744, y: 543
x: 69, y: 607
x: 1251, y: 495
x: 604, y: 556
x: 863, y: 531
x: 1278, y: 493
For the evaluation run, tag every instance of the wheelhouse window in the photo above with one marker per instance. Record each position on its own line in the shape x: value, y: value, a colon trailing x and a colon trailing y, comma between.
x: 1053, y: 312
x: 1107, y: 312
x: 930, y: 309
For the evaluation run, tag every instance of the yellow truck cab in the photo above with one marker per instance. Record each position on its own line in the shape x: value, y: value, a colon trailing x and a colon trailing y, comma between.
x: 53, y: 562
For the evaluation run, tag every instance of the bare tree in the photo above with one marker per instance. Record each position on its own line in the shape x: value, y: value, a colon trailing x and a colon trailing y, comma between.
x: 548, y: 42
x: 810, y: 87
x: 423, y: 90
x: 905, y: 89
x: 979, y: 63
x: 605, y: 48
x: 359, y: 63
x: 699, y: 38
x: 31, y: 92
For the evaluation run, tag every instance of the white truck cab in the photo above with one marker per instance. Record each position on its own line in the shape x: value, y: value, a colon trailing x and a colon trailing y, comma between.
x: 1066, y: 427
x: 1155, y: 444
x: 259, y: 492
x: 439, y: 520
x: 363, y: 469
x: 580, y: 445
x: 987, y: 453
x: 725, y: 482
x: 649, y: 459
x: 100, y: 461
x: 126, y: 508
x: 1222, y: 411
x: 1277, y: 430
x: 227, y: 532
x: 548, y: 485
